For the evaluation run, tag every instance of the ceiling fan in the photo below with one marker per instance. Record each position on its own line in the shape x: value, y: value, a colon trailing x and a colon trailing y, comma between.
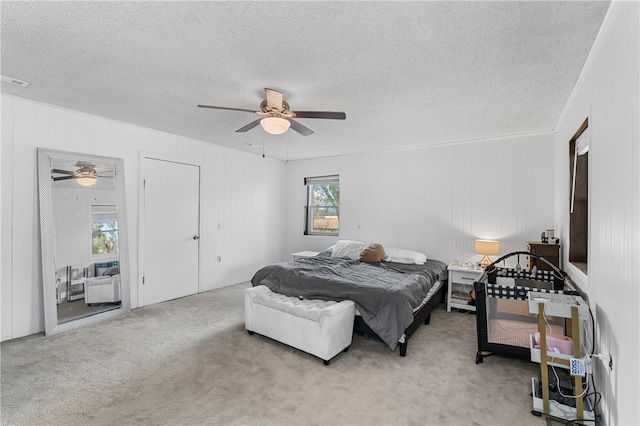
x: 85, y: 175
x: 277, y: 116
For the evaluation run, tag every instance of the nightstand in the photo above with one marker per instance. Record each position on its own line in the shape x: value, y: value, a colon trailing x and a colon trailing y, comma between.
x: 303, y: 254
x: 461, y: 279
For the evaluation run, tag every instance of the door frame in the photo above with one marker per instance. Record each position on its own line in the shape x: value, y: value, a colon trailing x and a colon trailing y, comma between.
x: 141, y: 215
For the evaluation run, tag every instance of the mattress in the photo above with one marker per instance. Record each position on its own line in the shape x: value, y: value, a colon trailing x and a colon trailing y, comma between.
x: 516, y: 333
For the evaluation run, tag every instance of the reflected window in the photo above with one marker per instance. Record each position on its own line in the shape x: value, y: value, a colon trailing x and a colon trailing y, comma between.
x: 104, y: 229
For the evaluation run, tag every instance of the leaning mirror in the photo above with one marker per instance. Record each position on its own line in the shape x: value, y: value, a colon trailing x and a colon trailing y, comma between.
x: 85, y: 269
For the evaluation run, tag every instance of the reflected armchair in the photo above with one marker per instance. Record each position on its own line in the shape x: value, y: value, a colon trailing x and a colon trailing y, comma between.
x: 103, y: 289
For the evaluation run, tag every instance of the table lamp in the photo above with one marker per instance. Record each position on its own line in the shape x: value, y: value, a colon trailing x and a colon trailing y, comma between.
x: 486, y: 248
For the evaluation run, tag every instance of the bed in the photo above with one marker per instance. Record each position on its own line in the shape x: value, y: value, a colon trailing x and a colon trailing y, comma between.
x: 392, y: 298
x: 503, y: 322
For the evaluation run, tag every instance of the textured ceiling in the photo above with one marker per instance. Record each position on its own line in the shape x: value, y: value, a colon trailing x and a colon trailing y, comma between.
x: 406, y: 73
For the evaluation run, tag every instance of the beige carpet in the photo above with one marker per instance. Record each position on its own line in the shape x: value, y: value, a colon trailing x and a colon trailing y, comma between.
x: 189, y: 361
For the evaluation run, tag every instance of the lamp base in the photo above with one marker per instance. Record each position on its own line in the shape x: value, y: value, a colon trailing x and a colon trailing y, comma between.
x: 485, y: 262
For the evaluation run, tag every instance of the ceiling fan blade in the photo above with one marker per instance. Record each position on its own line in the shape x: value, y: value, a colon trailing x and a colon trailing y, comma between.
x: 249, y: 126
x: 274, y: 98
x: 303, y: 130
x: 321, y: 114
x: 55, y: 179
x: 62, y: 172
x: 228, y: 108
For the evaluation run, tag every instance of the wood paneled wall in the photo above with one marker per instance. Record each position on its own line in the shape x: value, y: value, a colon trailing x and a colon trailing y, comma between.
x: 607, y: 92
x: 241, y: 192
x: 436, y: 199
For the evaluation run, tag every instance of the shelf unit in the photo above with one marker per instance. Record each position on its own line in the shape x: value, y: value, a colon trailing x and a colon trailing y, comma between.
x: 76, y: 276
x: 549, y: 251
x: 574, y: 309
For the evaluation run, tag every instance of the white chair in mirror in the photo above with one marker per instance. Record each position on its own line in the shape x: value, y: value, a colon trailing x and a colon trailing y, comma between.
x: 103, y: 289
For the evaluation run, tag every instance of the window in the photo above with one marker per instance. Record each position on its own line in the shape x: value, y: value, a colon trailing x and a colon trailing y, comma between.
x: 322, y: 209
x: 104, y: 229
x: 579, y: 205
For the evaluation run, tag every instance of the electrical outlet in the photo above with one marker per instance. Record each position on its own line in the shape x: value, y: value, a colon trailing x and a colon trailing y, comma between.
x: 577, y: 367
x: 606, y: 360
x: 219, y: 258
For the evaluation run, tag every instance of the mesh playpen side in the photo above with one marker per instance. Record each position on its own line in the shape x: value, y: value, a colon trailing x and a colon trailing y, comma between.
x: 504, y: 324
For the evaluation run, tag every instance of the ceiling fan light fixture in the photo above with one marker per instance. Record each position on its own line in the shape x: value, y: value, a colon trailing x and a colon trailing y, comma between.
x: 86, y: 176
x: 275, y: 125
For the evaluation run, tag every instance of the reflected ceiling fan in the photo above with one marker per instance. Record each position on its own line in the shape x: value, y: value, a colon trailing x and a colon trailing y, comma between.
x: 85, y: 175
x: 277, y: 116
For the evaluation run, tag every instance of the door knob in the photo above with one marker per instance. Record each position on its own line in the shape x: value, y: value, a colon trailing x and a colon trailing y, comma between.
x: 196, y: 237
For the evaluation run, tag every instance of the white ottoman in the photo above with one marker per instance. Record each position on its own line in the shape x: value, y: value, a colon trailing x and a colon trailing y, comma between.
x: 320, y: 327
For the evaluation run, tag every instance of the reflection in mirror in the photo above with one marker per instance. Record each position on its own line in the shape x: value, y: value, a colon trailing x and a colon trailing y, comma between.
x: 86, y: 223
x: 84, y: 252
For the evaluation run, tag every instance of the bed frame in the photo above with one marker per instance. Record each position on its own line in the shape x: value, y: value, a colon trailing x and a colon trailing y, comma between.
x: 485, y: 287
x: 422, y: 316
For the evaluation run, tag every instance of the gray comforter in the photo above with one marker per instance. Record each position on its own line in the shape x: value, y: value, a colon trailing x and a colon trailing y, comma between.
x: 385, y: 293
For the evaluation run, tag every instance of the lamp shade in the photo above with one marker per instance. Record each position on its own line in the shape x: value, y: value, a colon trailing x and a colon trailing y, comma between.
x: 275, y: 125
x: 486, y: 247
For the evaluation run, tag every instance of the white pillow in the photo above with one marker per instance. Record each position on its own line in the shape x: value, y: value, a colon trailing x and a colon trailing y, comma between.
x: 348, y: 248
x: 404, y: 256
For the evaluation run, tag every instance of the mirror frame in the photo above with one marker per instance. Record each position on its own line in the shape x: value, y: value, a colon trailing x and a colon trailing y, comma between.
x: 48, y: 242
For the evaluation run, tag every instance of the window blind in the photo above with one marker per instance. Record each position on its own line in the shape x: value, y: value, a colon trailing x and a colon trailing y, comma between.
x: 321, y: 180
x: 106, y: 213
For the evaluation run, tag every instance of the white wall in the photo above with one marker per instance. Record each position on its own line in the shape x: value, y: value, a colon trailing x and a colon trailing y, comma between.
x: 436, y: 199
x: 242, y: 192
x: 607, y: 92
x: 72, y: 218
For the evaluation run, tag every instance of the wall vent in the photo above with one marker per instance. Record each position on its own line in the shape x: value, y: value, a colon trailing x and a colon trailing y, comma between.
x: 14, y: 81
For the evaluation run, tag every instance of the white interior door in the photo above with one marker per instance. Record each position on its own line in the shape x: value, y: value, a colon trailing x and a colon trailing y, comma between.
x: 171, y: 230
